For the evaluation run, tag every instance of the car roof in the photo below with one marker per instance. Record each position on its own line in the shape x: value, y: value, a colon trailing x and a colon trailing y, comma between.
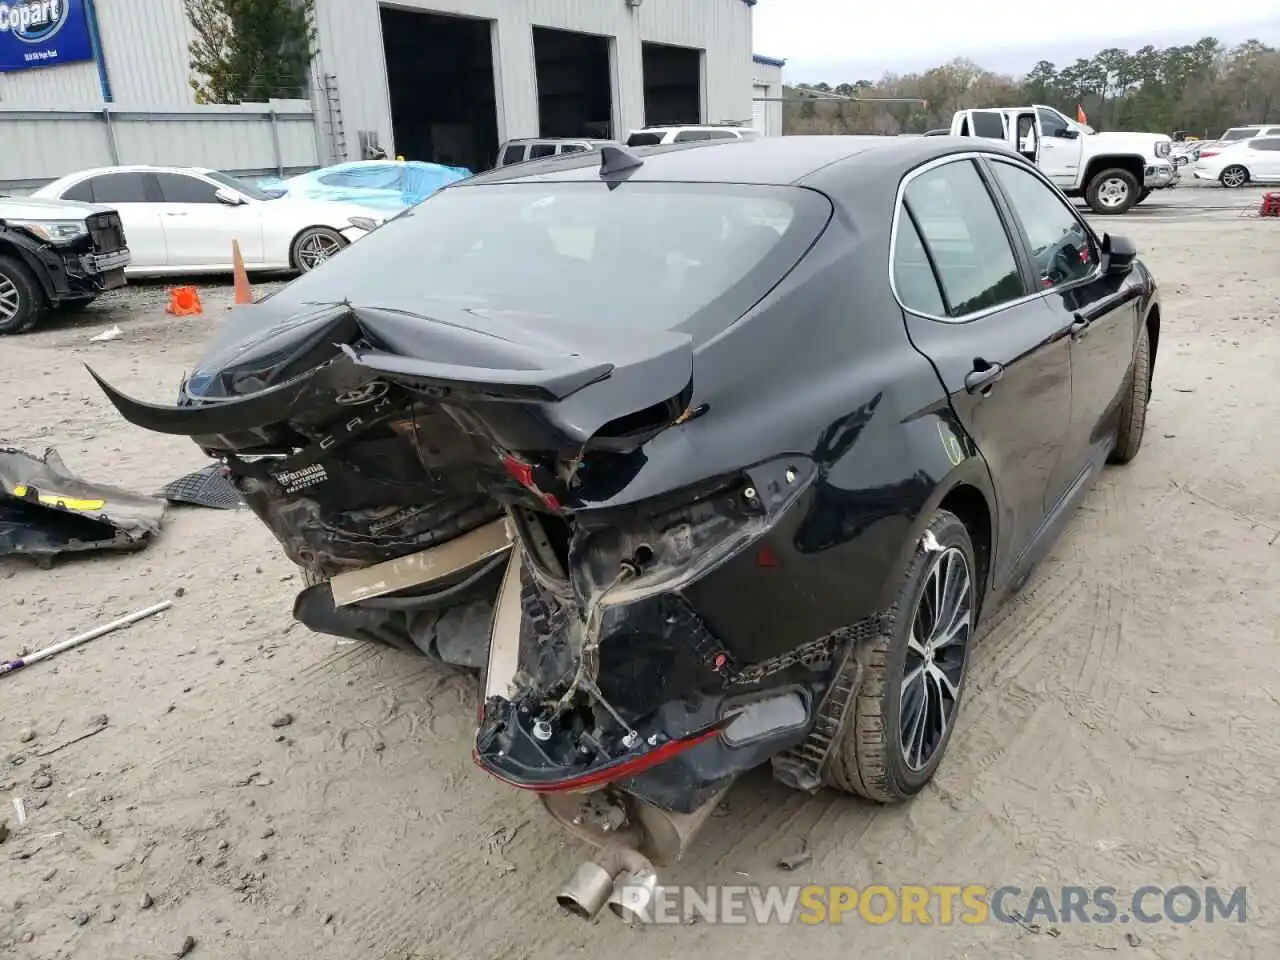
x: 131, y: 168
x: 558, y: 140
x: 766, y: 160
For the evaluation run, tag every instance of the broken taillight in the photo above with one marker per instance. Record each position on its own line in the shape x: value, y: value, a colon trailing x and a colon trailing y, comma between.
x: 524, y: 473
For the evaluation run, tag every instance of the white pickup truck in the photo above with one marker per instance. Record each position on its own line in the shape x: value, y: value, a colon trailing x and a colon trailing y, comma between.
x: 1112, y: 171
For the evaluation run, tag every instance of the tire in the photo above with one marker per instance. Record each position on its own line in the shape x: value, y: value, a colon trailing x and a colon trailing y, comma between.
x: 1234, y: 177
x: 307, y: 246
x: 870, y: 759
x: 1133, y: 408
x: 21, y: 299
x: 1112, y: 192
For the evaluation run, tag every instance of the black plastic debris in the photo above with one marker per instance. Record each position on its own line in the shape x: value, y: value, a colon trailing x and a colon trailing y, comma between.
x: 46, y: 510
x: 207, y: 487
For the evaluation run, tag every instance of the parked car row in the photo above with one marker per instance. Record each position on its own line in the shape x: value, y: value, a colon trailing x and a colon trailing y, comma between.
x: 1239, y: 162
x: 525, y: 149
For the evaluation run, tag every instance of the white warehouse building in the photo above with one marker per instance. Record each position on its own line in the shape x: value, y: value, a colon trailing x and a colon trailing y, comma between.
x: 443, y: 80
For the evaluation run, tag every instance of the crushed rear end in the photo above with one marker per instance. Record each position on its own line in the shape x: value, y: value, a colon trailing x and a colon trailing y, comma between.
x: 511, y: 486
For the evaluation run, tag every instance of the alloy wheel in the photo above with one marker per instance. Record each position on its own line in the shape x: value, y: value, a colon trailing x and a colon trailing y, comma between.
x: 315, y: 249
x: 1113, y: 192
x: 10, y: 300
x: 936, y: 653
x: 1234, y: 177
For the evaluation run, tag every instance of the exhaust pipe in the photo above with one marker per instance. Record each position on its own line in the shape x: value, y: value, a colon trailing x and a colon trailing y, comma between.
x: 619, y: 876
x: 632, y: 896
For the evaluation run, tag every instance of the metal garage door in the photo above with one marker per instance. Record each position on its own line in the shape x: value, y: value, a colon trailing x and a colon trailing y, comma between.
x: 759, y: 109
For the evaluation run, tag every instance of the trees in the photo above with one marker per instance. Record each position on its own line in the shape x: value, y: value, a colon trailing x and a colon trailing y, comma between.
x: 1201, y: 88
x: 250, y: 49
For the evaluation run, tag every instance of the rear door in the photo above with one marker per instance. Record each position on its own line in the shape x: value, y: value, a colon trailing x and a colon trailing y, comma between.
x: 970, y: 307
x: 133, y: 194
x: 1060, y: 153
x: 1265, y: 163
x: 1099, y: 314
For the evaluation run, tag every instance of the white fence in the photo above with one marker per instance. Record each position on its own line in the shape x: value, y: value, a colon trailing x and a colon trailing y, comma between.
x: 37, y: 146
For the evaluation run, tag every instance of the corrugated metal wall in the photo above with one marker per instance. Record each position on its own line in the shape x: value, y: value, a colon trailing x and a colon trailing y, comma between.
x: 39, y: 146
x: 351, y: 51
x: 145, y: 49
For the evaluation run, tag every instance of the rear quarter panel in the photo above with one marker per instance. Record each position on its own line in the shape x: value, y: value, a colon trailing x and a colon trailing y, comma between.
x: 826, y: 370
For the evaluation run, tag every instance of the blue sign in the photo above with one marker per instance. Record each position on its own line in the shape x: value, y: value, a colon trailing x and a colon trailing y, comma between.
x: 43, y: 33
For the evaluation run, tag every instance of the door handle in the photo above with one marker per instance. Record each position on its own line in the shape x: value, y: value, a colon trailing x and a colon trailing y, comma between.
x: 175, y: 214
x: 1079, y: 328
x: 982, y: 378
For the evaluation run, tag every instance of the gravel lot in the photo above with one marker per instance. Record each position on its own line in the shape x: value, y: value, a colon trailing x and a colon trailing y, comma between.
x: 1120, y: 726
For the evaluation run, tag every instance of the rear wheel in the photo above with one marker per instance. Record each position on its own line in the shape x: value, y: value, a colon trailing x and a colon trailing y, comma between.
x: 909, y: 700
x: 1234, y: 176
x: 314, y: 246
x: 1112, y: 191
x: 21, y: 301
x: 1133, y: 408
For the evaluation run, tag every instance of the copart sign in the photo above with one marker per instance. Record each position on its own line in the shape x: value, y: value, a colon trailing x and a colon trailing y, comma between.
x: 43, y: 33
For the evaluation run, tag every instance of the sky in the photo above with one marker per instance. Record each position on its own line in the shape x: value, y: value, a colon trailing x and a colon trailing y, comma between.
x: 846, y: 40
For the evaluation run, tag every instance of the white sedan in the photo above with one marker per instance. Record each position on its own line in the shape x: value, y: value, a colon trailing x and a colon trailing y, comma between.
x: 1240, y: 162
x: 181, y: 220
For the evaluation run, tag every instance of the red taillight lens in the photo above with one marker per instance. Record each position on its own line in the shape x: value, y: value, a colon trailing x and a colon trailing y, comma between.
x: 521, y: 472
x: 1208, y: 153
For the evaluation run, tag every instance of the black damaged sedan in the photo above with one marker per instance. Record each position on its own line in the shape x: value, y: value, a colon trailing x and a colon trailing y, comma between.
x: 705, y: 456
x: 56, y: 254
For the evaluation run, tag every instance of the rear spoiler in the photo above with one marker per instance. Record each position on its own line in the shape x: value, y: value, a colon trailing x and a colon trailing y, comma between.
x: 532, y: 383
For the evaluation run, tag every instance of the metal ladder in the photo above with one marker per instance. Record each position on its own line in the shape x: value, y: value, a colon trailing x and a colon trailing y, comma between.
x: 333, y: 116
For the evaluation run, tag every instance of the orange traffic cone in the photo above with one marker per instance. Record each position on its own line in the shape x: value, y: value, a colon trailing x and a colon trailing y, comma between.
x: 184, y: 302
x: 244, y: 293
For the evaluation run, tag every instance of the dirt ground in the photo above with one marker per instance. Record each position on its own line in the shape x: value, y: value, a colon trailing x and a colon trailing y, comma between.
x: 1119, y: 728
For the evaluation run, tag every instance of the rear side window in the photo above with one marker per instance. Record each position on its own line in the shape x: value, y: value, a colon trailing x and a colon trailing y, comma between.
x: 721, y: 135
x: 513, y: 154
x: 989, y: 124
x: 1240, y: 133
x: 82, y: 191
x: 912, y: 273
x: 644, y: 140
x: 965, y: 236
x: 642, y: 255
x: 1060, y: 245
x: 688, y: 136
x: 540, y: 150
x: 573, y: 148
x: 120, y: 188
x: 1272, y: 143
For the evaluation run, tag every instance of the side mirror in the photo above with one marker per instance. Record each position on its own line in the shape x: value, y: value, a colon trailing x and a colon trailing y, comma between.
x: 1069, y: 134
x: 229, y: 197
x: 1118, y: 254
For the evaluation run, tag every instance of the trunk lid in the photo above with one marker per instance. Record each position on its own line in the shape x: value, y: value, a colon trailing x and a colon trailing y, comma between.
x: 532, y: 396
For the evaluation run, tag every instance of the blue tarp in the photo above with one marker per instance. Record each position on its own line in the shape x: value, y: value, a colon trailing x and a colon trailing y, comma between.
x: 381, y: 184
